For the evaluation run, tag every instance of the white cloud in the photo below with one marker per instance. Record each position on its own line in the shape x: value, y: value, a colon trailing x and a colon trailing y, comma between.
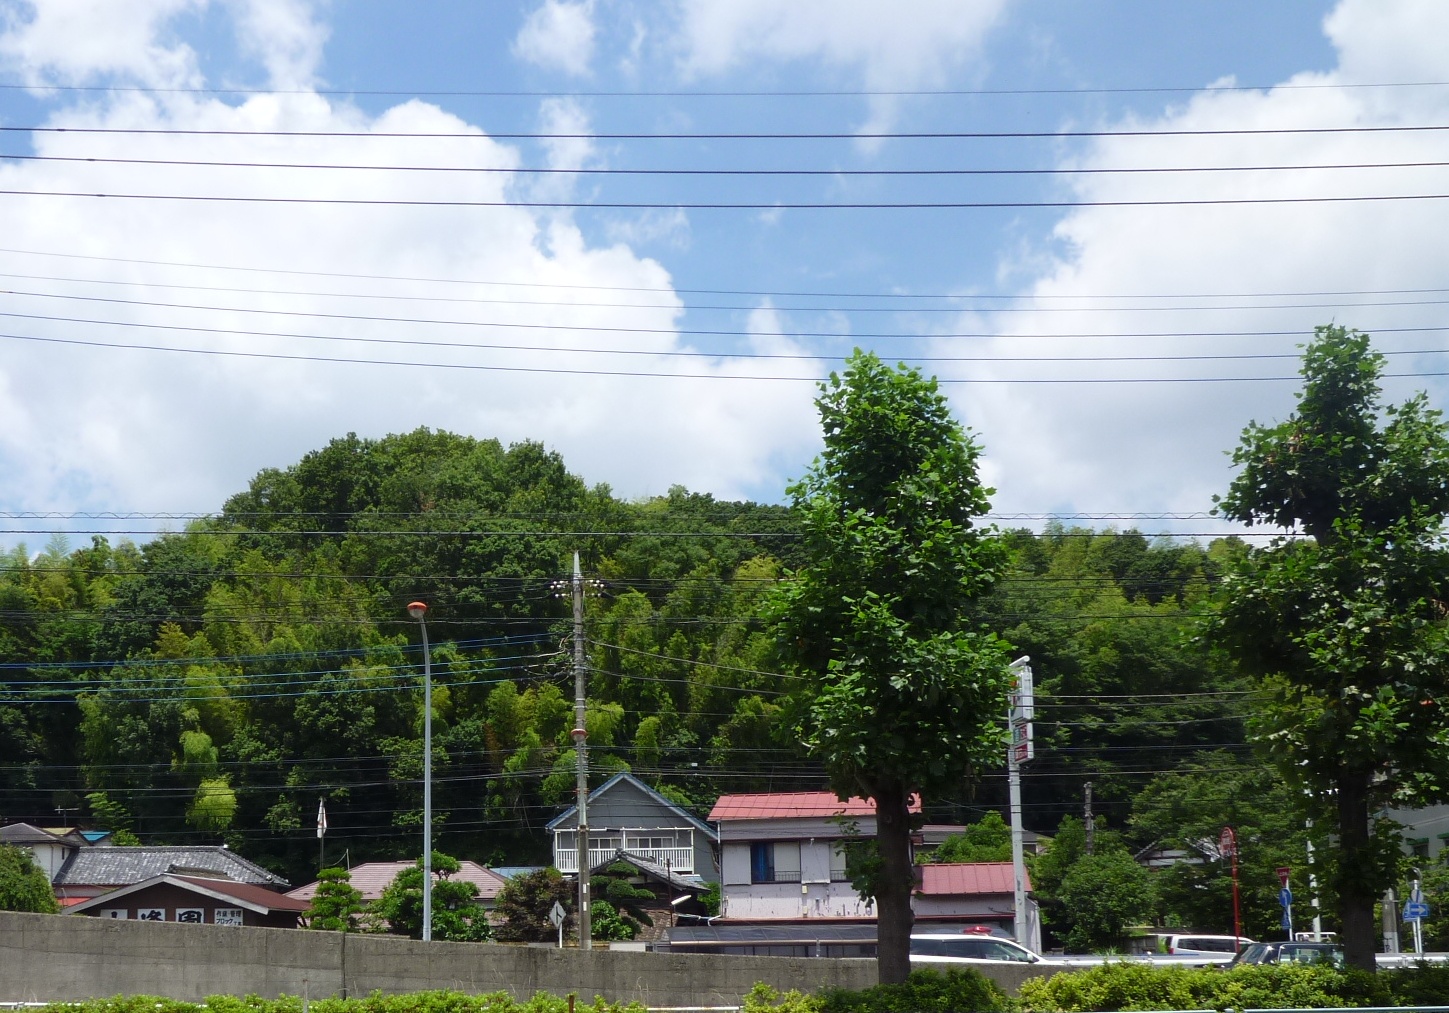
x: 285, y: 36
x: 884, y: 46
x: 118, y: 428
x: 558, y: 36
x: 51, y: 42
x: 1126, y: 446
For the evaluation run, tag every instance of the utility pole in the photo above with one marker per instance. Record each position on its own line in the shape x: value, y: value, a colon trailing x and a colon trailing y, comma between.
x: 1088, y: 821
x: 1019, y: 716
x: 580, y: 736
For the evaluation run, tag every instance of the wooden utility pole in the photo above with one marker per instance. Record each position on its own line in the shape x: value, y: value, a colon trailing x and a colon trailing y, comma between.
x: 580, y: 736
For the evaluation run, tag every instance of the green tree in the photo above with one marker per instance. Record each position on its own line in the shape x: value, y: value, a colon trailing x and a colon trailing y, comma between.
x: 1346, y: 627
x: 524, y: 904
x: 625, y: 914
x: 457, y: 915
x: 336, y: 904
x: 23, y: 886
x: 986, y: 840
x: 902, y: 693
x: 1106, y: 892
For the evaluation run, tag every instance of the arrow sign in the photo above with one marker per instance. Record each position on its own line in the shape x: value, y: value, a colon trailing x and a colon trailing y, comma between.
x: 1416, y: 911
x: 1285, y: 897
x: 557, y: 914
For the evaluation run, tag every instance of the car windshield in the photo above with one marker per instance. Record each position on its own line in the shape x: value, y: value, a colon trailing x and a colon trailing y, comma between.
x: 1254, y: 954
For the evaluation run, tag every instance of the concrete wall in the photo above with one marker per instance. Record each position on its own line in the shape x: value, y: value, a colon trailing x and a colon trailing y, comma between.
x: 60, y: 957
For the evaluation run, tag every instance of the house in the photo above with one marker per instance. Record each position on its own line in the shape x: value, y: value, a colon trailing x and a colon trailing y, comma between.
x: 627, y: 817
x: 371, y: 878
x: 783, y: 866
x: 197, y: 900
x: 782, y: 855
x: 674, y: 894
x: 49, y: 847
x: 981, y: 893
x: 90, y: 872
x: 1425, y: 831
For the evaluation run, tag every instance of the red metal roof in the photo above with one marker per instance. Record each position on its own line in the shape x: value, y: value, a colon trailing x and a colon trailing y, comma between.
x: 958, y: 878
x: 785, y: 804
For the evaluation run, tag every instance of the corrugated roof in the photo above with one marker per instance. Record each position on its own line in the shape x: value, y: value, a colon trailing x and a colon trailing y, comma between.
x: 371, y: 878
x: 124, y: 866
x: 785, y: 804
x: 958, y: 878
x: 624, y: 777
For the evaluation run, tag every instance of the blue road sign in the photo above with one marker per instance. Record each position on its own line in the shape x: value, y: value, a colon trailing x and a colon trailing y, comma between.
x: 1285, y: 897
x: 1415, y: 911
x: 1287, y: 922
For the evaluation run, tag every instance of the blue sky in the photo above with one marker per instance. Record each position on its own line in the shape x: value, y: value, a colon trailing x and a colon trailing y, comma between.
x: 1081, y: 340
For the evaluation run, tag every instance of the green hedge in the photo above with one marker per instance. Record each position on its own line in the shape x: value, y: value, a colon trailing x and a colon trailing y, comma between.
x: 1130, y: 986
x: 958, y: 990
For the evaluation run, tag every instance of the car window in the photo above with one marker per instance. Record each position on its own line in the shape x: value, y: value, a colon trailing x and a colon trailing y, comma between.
x: 1001, y: 951
x: 963, y: 947
x: 928, y: 947
x: 1255, y: 954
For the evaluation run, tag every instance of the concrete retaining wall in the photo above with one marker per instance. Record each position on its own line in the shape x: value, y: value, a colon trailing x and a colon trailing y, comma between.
x: 66, y: 957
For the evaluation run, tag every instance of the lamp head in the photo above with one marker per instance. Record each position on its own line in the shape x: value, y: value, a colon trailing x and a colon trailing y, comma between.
x: 417, y: 610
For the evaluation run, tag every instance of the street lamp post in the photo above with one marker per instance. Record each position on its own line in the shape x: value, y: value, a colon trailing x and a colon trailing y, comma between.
x: 419, y: 611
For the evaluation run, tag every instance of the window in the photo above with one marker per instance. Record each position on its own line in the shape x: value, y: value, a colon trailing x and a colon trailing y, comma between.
x: 1419, y: 846
x: 775, y: 862
x: 838, y: 873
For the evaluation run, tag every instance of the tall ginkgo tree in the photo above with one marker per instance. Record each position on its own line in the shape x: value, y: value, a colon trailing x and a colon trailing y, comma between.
x: 902, y: 693
x: 1344, y: 619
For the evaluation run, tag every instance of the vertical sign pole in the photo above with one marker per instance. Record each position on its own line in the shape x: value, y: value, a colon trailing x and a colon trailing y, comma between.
x: 580, y: 736
x: 1020, y: 709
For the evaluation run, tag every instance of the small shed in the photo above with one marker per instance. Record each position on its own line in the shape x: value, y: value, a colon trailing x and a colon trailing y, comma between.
x: 195, y: 900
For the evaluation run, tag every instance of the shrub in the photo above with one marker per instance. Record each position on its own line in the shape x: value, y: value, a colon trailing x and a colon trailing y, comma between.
x: 415, y: 1002
x: 924, y: 991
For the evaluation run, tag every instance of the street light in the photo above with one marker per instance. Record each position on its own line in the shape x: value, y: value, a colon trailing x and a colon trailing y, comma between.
x: 419, y: 611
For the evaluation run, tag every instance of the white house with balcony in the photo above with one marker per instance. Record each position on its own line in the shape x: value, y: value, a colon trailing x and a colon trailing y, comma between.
x: 782, y: 855
x: 628, y: 817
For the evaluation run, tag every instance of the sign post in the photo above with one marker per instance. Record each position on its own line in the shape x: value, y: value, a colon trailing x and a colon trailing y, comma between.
x: 1416, y: 910
x: 1228, y: 845
x: 557, y: 914
x: 1285, y: 897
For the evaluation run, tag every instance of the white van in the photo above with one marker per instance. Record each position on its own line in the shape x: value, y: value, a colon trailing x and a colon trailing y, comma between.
x: 1197, y: 945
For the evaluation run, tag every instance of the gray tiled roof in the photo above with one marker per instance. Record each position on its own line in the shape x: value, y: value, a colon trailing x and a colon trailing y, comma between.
x: 124, y: 866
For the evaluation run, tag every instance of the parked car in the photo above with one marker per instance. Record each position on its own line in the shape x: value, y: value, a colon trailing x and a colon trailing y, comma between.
x: 1194, y: 944
x: 967, y: 948
x: 1290, y: 953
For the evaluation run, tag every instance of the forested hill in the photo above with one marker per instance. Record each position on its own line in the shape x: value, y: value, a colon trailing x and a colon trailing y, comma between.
x: 213, y: 684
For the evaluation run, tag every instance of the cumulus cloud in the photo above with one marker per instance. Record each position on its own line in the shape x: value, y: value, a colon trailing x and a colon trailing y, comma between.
x: 49, y: 42
x: 285, y: 36
x: 558, y: 36
x: 303, y: 321
x: 884, y: 47
x: 1224, y: 280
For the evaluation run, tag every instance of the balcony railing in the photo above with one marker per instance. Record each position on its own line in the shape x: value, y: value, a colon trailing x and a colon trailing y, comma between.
x: 679, y: 860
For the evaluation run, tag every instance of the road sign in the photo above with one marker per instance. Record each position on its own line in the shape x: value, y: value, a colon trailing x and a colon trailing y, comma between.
x: 1023, y: 746
x: 1227, y: 842
x: 1285, y: 897
x: 1283, y: 874
x: 557, y: 914
x: 1416, y: 910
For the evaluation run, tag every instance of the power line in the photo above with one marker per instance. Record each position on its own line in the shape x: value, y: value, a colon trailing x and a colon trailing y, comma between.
x: 872, y: 135
x: 615, y: 205
x: 725, y: 172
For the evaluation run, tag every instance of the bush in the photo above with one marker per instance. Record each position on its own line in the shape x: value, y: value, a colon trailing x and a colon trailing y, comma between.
x: 1134, y: 986
x: 957, y: 990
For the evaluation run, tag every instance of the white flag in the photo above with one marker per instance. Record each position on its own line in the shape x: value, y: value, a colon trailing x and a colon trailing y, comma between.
x: 321, y: 817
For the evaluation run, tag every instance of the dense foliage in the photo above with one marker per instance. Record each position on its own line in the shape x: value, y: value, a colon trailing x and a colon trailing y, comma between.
x: 458, y: 915
x: 23, y: 884
x: 901, y: 686
x: 337, y: 904
x: 209, y: 685
x: 1346, y: 627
